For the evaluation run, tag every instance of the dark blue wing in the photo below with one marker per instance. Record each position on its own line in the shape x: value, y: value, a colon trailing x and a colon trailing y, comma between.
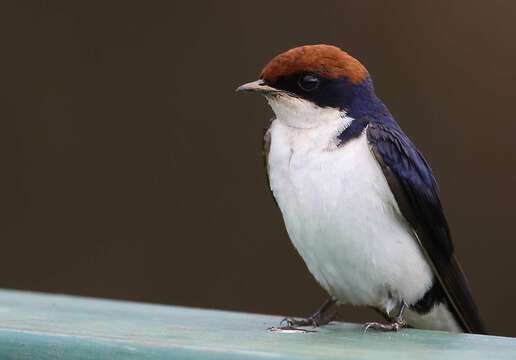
x: 417, y: 194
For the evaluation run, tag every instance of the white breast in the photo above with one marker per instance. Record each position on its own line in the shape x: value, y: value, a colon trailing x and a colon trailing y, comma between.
x: 342, y: 217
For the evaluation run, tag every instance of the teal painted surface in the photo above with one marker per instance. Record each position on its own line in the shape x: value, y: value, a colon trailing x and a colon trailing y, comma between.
x: 39, y: 326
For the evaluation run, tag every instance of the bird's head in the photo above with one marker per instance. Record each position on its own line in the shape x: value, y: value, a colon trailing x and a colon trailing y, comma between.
x: 308, y: 82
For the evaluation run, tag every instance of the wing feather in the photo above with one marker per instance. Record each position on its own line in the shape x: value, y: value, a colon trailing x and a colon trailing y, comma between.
x: 416, y: 192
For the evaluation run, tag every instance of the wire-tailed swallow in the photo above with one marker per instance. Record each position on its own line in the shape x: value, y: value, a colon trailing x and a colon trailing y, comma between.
x: 358, y: 199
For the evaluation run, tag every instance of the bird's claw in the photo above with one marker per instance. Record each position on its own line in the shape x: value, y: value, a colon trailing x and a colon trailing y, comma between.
x: 311, y: 321
x: 394, y: 326
x: 289, y: 325
x: 320, y: 317
x: 286, y: 322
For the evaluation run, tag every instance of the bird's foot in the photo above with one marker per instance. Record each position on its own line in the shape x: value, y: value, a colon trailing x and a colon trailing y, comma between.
x: 394, y: 326
x: 322, y: 316
x: 291, y: 324
x: 315, y: 320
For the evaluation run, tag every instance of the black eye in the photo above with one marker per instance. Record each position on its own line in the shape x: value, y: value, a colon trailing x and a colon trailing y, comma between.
x: 308, y: 82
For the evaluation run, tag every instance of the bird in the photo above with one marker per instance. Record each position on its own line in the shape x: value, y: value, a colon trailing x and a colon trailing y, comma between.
x: 358, y: 199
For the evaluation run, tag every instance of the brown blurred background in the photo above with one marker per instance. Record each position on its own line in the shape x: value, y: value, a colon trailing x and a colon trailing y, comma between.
x: 131, y: 170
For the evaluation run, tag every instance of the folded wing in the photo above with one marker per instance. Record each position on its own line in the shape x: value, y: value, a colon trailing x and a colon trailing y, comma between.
x: 416, y: 193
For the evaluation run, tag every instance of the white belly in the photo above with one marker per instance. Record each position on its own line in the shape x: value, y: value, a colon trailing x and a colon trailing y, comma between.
x: 342, y: 218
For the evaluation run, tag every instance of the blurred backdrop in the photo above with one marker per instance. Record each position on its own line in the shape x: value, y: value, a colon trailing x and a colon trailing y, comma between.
x: 131, y: 170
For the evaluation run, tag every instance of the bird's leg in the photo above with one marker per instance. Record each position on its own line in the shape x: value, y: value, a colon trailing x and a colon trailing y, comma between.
x: 395, y: 325
x: 321, y: 316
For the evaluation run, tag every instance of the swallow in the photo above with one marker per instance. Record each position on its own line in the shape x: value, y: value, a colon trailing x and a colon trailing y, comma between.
x: 358, y: 199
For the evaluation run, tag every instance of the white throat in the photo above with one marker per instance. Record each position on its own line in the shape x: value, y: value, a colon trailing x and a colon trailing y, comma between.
x: 303, y: 114
x: 309, y: 125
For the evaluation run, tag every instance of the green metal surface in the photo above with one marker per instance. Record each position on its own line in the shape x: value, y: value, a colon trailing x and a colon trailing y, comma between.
x: 39, y: 326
